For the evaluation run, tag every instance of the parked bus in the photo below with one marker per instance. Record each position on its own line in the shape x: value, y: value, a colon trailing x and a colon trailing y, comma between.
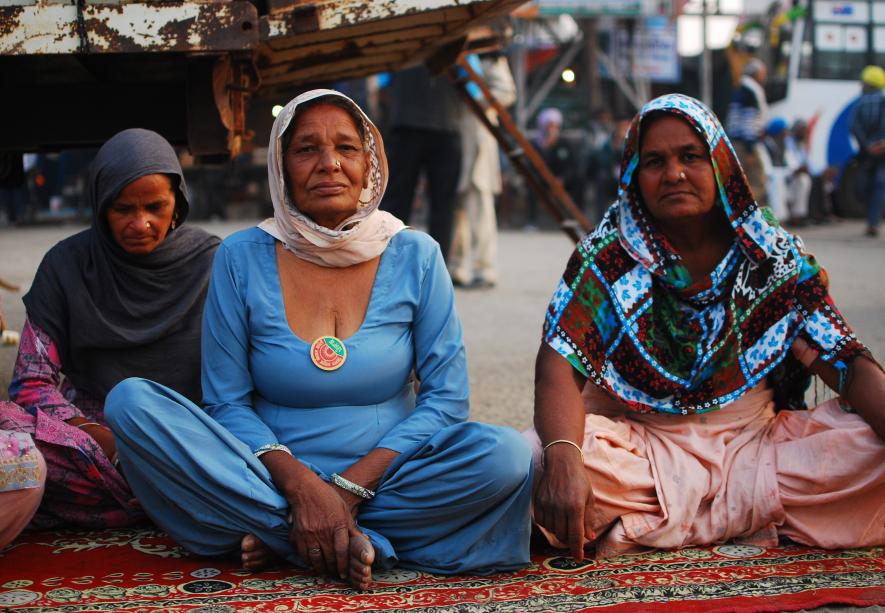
x: 815, y: 77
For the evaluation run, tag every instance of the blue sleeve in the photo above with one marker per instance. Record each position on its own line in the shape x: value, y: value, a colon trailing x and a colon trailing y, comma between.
x: 440, y: 362
x: 472, y: 88
x: 227, y: 381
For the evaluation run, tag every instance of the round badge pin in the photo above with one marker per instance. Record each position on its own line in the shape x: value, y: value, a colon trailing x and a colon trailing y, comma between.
x: 328, y: 353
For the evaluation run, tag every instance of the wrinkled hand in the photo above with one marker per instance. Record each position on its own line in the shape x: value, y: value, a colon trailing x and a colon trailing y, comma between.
x: 803, y: 352
x: 809, y: 358
x: 564, y: 501
x: 863, y: 392
x: 351, y: 501
x: 321, y: 527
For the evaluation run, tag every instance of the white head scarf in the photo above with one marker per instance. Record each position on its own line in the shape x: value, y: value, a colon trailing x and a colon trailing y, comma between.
x: 548, y: 116
x: 362, y: 236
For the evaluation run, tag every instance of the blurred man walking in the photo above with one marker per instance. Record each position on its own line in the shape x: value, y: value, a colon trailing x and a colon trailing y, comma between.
x: 868, y: 127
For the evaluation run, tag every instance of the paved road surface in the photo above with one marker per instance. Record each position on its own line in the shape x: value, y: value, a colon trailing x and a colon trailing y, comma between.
x: 502, y: 325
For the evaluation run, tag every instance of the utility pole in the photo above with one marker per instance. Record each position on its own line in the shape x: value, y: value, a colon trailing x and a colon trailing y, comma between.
x: 706, y: 72
x: 591, y: 63
x: 518, y: 62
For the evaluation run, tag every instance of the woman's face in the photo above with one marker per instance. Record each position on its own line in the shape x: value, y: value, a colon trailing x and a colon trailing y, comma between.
x: 676, y: 177
x: 140, y: 216
x: 326, y: 165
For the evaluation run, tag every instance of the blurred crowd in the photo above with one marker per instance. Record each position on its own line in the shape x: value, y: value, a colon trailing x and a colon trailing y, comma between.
x: 448, y: 175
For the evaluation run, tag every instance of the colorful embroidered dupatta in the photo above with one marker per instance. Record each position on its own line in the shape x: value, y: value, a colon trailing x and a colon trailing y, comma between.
x: 628, y: 317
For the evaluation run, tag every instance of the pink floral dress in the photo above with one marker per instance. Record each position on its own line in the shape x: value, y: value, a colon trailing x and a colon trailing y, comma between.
x: 83, y: 488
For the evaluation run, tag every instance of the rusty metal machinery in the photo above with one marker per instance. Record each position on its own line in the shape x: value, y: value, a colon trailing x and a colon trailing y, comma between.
x: 75, y: 72
x: 520, y: 151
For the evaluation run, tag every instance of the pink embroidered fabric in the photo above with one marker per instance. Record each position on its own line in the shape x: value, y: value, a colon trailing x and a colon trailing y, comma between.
x: 19, y: 468
x: 83, y: 488
x: 22, y: 474
x: 744, y: 473
x: 37, y: 380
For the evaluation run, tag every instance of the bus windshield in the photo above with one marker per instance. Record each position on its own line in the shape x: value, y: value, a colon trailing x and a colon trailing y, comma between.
x: 840, y: 38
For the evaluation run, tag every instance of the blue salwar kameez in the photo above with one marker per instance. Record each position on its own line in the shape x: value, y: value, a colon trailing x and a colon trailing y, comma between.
x: 455, y: 500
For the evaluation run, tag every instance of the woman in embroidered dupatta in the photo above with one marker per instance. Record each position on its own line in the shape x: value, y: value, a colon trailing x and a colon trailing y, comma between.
x: 680, y: 325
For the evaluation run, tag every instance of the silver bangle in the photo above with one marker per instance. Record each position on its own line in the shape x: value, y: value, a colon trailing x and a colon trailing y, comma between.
x: 270, y: 447
x: 353, y: 488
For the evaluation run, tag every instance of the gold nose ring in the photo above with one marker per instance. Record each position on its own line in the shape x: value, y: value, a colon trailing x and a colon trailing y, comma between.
x: 681, y: 175
x: 338, y: 163
x: 148, y: 224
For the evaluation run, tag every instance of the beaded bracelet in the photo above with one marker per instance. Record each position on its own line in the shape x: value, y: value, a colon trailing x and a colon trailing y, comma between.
x: 270, y: 447
x: 353, y: 488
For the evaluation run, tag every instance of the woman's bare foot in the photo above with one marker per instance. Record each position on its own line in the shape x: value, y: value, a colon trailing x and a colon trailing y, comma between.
x: 255, y: 555
x: 362, y: 555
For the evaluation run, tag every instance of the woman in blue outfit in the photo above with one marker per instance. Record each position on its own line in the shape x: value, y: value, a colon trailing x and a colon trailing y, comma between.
x: 315, y: 442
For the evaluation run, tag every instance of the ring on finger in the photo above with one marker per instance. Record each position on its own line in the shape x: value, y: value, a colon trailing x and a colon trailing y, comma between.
x: 314, y: 551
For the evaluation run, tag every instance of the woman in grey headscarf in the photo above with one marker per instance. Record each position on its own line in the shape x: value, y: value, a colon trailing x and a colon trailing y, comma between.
x: 122, y: 298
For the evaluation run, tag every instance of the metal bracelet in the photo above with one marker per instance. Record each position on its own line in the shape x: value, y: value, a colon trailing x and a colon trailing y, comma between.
x: 567, y: 442
x: 353, y: 488
x: 90, y: 423
x: 270, y: 447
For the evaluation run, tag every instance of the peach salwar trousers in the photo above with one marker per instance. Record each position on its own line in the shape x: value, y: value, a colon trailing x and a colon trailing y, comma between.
x: 744, y: 473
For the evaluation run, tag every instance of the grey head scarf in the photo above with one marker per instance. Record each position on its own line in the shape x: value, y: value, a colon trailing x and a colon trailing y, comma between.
x: 113, y: 314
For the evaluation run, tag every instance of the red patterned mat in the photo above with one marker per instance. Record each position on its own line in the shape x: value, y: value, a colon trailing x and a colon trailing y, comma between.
x: 142, y: 570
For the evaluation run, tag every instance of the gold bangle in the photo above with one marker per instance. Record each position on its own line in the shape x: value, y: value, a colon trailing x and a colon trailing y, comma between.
x: 90, y: 423
x: 568, y: 442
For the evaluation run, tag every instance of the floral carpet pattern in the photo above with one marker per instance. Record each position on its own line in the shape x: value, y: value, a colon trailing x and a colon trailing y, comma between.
x: 143, y: 570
